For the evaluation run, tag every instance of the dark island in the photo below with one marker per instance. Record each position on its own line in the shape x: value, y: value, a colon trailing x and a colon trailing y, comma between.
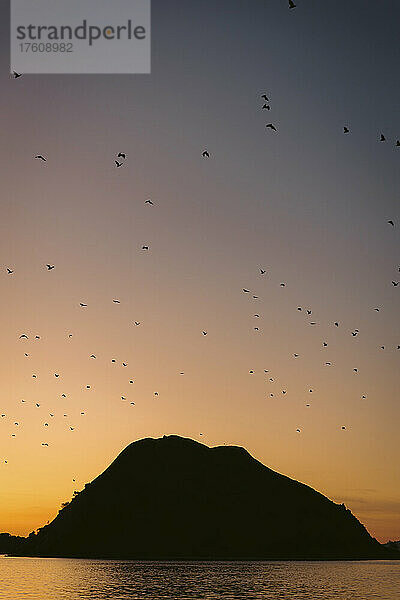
x: 173, y: 498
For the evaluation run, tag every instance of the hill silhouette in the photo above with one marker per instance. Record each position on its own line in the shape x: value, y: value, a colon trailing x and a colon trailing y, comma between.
x: 174, y: 498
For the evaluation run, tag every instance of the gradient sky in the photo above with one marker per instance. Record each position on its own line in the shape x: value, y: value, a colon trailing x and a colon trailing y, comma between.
x: 307, y: 203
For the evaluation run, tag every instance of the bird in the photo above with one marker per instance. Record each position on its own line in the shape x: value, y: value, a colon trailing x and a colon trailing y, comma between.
x: 145, y: 247
x: 16, y: 75
x: 246, y: 291
x: 50, y: 267
x: 41, y: 157
x: 72, y: 428
x: 391, y: 222
x: 206, y: 154
x: 355, y: 370
x: 116, y: 302
x: 271, y: 126
x: 354, y: 333
x: 298, y: 430
x: 377, y: 309
x: 82, y: 305
x: 343, y: 427
x: 346, y: 130
x: 23, y: 336
x: 149, y: 202
x: 266, y: 107
x: 262, y: 271
x: 296, y: 355
x: 309, y: 312
x: 382, y: 139
x: 121, y: 155
x: 299, y: 308
x: 10, y: 271
x: 119, y: 164
x: 92, y: 356
x: 37, y: 337
x: 292, y: 4
x: 205, y: 332
x: 124, y: 364
x: 265, y: 97
x: 328, y: 364
x: 336, y: 324
x: 137, y: 323
x: 56, y: 375
x: 283, y: 284
x: 325, y: 344
x: 398, y: 143
x: 395, y: 283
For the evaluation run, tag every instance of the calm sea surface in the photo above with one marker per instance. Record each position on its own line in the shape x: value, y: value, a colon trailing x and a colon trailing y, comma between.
x: 61, y: 579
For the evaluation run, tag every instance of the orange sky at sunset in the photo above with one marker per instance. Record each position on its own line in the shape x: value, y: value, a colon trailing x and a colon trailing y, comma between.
x: 308, y: 204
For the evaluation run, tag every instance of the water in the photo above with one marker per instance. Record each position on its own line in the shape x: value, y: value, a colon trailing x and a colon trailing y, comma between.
x: 62, y: 579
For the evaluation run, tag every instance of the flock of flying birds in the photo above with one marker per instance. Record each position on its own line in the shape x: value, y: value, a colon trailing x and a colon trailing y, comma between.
x: 263, y: 272
x: 119, y: 162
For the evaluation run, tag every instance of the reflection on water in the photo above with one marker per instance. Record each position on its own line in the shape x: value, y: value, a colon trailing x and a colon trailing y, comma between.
x: 62, y: 579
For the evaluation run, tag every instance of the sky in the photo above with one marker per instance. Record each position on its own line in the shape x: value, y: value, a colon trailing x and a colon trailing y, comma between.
x: 307, y: 204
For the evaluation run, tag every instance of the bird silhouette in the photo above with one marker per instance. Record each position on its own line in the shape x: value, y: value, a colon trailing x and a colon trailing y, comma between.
x: 92, y: 356
x: 398, y: 143
x: 23, y: 336
x: 271, y: 126
x: 263, y: 271
x: 82, y: 305
x: 10, y: 271
x: 121, y: 155
x: 119, y: 164
x: 265, y: 97
x: 391, y: 223
x: 292, y: 4
x: 16, y: 75
x: 382, y: 139
x: 346, y: 130
x: 205, y: 332
x: 145, y: 247
x: 206, y: 154
x: 149, y: 202
x: 266, y: 107
x: 40, y: 157
x: 50, y: 267
x: 116, y: 302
